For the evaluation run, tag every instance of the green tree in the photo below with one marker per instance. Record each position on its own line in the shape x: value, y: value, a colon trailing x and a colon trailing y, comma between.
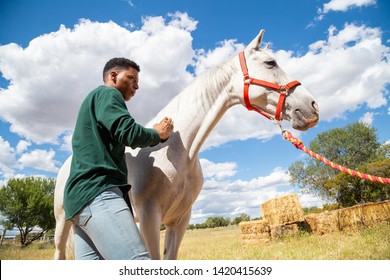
x: 353, y: 190
x: 384, y: 151
x: 352, y: 146
x: 213, y: 222
x: 27, y: 204
x: 242, y: 218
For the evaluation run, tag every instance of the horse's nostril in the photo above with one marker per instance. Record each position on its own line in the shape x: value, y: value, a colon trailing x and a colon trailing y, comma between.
x: 315, y: 106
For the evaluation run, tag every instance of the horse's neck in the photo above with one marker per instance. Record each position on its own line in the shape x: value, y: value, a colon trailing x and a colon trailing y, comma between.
x: 197, y: 109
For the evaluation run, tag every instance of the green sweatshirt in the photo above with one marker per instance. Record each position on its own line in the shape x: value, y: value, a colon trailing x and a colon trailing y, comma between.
x: 103, y: 129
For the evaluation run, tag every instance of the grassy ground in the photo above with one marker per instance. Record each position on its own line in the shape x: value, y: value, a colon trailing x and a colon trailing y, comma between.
x: 32, y: 252
x: 225, y: 244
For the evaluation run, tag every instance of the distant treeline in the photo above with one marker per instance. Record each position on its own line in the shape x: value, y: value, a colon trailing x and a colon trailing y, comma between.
x: 214, y: 222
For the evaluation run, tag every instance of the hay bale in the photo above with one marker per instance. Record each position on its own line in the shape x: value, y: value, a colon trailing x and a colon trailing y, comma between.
x: 284, y: 231
x: 323, y: 223
x: 257, y: 228
x: 351, y: 218
x: 283, y: 210
x: 374, y: 213
x: 364, y: 215
x: 255, y: 232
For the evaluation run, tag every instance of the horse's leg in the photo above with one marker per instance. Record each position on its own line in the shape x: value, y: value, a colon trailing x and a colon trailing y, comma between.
x: 174, y: 235
x: 150, y: 221
x: 61, y: 235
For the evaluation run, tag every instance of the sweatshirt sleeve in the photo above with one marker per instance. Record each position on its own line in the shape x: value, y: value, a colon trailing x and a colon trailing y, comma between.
x: 112, y: 114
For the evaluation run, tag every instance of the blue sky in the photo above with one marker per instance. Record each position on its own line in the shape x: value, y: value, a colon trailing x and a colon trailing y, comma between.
x: 52, y: 53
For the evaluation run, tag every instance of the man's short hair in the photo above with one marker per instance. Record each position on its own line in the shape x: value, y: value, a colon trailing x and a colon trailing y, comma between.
x: 119, y: 63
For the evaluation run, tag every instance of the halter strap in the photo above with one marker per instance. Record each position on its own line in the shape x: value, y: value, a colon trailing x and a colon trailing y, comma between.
x: 282, y: 89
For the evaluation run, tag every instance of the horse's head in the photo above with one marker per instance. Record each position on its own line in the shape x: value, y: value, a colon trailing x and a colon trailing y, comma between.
x: 271, y: 92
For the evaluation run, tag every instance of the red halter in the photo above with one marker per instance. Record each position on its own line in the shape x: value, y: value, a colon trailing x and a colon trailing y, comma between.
x: 282, y: 89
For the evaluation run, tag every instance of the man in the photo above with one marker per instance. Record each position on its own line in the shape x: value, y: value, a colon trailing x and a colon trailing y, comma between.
x: 93, y: 196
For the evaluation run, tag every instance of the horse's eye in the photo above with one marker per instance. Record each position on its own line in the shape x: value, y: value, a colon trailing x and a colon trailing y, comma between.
x: 270, y: 64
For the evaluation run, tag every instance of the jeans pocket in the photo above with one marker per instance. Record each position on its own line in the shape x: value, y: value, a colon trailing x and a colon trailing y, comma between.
x: 84, y: 216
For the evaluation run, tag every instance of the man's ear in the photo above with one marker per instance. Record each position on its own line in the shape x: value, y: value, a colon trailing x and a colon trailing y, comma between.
x: 113, y: 76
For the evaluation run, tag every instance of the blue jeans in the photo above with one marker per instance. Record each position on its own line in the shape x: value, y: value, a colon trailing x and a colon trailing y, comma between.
x: 105, y: 229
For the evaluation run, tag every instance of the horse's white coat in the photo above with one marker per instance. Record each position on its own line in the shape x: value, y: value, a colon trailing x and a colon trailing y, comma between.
x: 166, y: 179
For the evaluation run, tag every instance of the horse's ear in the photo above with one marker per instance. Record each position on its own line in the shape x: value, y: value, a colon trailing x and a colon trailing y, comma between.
x: 255, y: 44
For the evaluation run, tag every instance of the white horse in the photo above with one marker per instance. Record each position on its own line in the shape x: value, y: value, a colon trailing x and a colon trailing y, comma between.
x: 167, y: 179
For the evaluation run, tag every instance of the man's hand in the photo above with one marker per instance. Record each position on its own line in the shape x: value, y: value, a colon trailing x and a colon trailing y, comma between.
x: 164, y: 128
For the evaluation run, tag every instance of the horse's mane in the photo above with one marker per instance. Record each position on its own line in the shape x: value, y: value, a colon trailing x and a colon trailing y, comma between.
x: 210, y: 80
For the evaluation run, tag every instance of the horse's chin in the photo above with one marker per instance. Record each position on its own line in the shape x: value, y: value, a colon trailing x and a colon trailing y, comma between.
x: 299, y: 122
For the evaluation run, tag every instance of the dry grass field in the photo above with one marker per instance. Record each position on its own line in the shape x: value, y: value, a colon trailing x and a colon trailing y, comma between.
x: 225, y: 244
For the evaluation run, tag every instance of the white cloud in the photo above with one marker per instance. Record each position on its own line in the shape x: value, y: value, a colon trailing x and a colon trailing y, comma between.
x: 22, y: 146
x: 218, y: 171
x: 309, y: 200
x: 211, y: 58
x: 6, y: 173
x: 40, y: 160
x: 67, y: 142
x: 367, y: 118
x: 7, y: 153
x: 8, y: 162
x: 13, y: 159
x: 344, y: 5
x: 341, y: 6
x: 182, y: 21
